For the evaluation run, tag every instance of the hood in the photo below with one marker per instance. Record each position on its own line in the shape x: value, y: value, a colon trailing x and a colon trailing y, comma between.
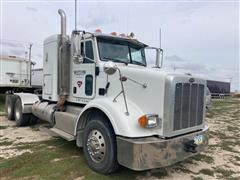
x: 144, y: 86
x: 162, y: 93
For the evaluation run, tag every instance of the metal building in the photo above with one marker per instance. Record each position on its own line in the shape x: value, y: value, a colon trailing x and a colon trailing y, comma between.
x: 218, y: 87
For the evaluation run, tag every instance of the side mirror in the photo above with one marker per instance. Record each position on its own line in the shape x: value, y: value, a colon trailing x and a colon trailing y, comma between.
x: 159, y: 56
x: 110, y: 68
x: 76, y: 47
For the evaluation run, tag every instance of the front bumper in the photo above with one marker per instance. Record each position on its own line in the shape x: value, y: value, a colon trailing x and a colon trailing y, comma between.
x: 152, y: 152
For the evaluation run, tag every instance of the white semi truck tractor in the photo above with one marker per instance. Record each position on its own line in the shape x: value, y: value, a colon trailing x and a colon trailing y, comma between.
x: 98, y: 91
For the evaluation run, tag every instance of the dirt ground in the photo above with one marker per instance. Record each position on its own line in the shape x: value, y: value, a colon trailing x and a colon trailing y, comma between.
x: 35, y: 153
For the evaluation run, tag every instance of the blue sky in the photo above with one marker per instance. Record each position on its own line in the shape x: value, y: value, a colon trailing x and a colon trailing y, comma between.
x: 200, y: 37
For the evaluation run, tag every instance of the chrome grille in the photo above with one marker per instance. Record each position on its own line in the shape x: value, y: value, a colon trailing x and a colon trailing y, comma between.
x: 188, y: 105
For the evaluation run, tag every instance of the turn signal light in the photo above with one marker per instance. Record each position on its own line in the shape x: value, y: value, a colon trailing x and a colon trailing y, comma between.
x: 149, y: 121
x: 143, y: 121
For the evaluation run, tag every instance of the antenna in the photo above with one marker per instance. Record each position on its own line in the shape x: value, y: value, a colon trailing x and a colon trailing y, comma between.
x: 30, y: 61
x: 160, y: 46
x: 160, y: 38
x: 75, y: 14
x: 30, y: 51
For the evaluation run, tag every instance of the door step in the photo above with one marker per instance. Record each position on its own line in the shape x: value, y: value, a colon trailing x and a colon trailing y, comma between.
x: 63, y: 134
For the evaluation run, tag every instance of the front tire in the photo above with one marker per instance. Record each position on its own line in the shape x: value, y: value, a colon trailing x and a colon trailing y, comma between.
x: 99, y: 146
x: 20, y: 118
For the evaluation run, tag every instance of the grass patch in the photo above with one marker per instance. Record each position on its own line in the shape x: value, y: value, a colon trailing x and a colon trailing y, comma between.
x: 184, y: 170
x: 160, y: 173
x: 223, y: 107
x: 3, y: 127
x: 5, y: 143
x: 189, y: 161
x: 233, y: 128
x: 229, y: 145
x: 208, y: 172
x: 31, y: 146
x: 237, y: 158
x: 224, y: 172
x: 41, y: 163
x: 35, y: 128
x: 197, y: 178
x: 222, y: 136
x: 203, y: 157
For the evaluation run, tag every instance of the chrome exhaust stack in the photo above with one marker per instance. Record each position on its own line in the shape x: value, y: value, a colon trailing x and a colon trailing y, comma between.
x: 63, y: 63
x: 63, y: 22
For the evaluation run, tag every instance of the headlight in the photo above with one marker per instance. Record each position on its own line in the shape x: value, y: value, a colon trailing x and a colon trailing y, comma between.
x: 149, y: 121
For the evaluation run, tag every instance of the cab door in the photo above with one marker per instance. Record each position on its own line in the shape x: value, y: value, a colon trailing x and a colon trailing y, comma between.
x: 83, y: 76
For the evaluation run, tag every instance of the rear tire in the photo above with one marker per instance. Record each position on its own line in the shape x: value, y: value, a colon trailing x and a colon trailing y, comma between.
x: 33, y: 120
x: 9, y: 107
x: 20, y: 118
x: 99, y: 146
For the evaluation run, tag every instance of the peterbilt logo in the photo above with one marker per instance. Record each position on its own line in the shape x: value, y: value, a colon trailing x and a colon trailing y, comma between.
x: 79, y: 83
x: 191, y: 80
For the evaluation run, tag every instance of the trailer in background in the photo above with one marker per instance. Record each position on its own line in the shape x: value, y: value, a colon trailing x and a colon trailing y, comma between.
x: 15, y: 75
x: 218, y: 88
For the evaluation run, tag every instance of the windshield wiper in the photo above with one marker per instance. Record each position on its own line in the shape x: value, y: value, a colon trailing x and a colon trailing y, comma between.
x: 114, y: 60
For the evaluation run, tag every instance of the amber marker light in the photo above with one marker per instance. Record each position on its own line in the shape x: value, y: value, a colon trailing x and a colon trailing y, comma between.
x: 143, y: 121
x: 98, y: 30
x: 113, y: 33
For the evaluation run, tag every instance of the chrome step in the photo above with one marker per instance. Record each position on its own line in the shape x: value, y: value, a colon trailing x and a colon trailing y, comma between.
x: 63, y: 134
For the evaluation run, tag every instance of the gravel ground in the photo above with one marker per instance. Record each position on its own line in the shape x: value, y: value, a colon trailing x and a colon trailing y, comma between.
x: 221, y: 160
x: 13, y: 137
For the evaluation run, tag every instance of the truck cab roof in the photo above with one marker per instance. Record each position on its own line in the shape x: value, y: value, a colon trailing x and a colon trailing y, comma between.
x: 116, y: 37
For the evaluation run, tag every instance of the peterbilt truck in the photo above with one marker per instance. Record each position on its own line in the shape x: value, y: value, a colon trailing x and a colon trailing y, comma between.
x: 98, y: 91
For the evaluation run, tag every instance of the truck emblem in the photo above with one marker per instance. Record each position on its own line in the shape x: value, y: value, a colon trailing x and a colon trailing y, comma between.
x: 191, y: 80
x: 79, y: 83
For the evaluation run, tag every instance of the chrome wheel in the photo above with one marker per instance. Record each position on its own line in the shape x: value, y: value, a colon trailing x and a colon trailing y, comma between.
x: 96, y: 146
x: 9, y: 109
x: 99, y: 145
x: 17, y: 113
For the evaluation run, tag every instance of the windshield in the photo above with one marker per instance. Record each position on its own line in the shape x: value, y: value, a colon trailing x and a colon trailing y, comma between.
x: 121, y: 51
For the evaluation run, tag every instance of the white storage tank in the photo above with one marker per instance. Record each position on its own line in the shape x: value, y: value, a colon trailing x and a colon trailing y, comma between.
x: 14, y: 71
